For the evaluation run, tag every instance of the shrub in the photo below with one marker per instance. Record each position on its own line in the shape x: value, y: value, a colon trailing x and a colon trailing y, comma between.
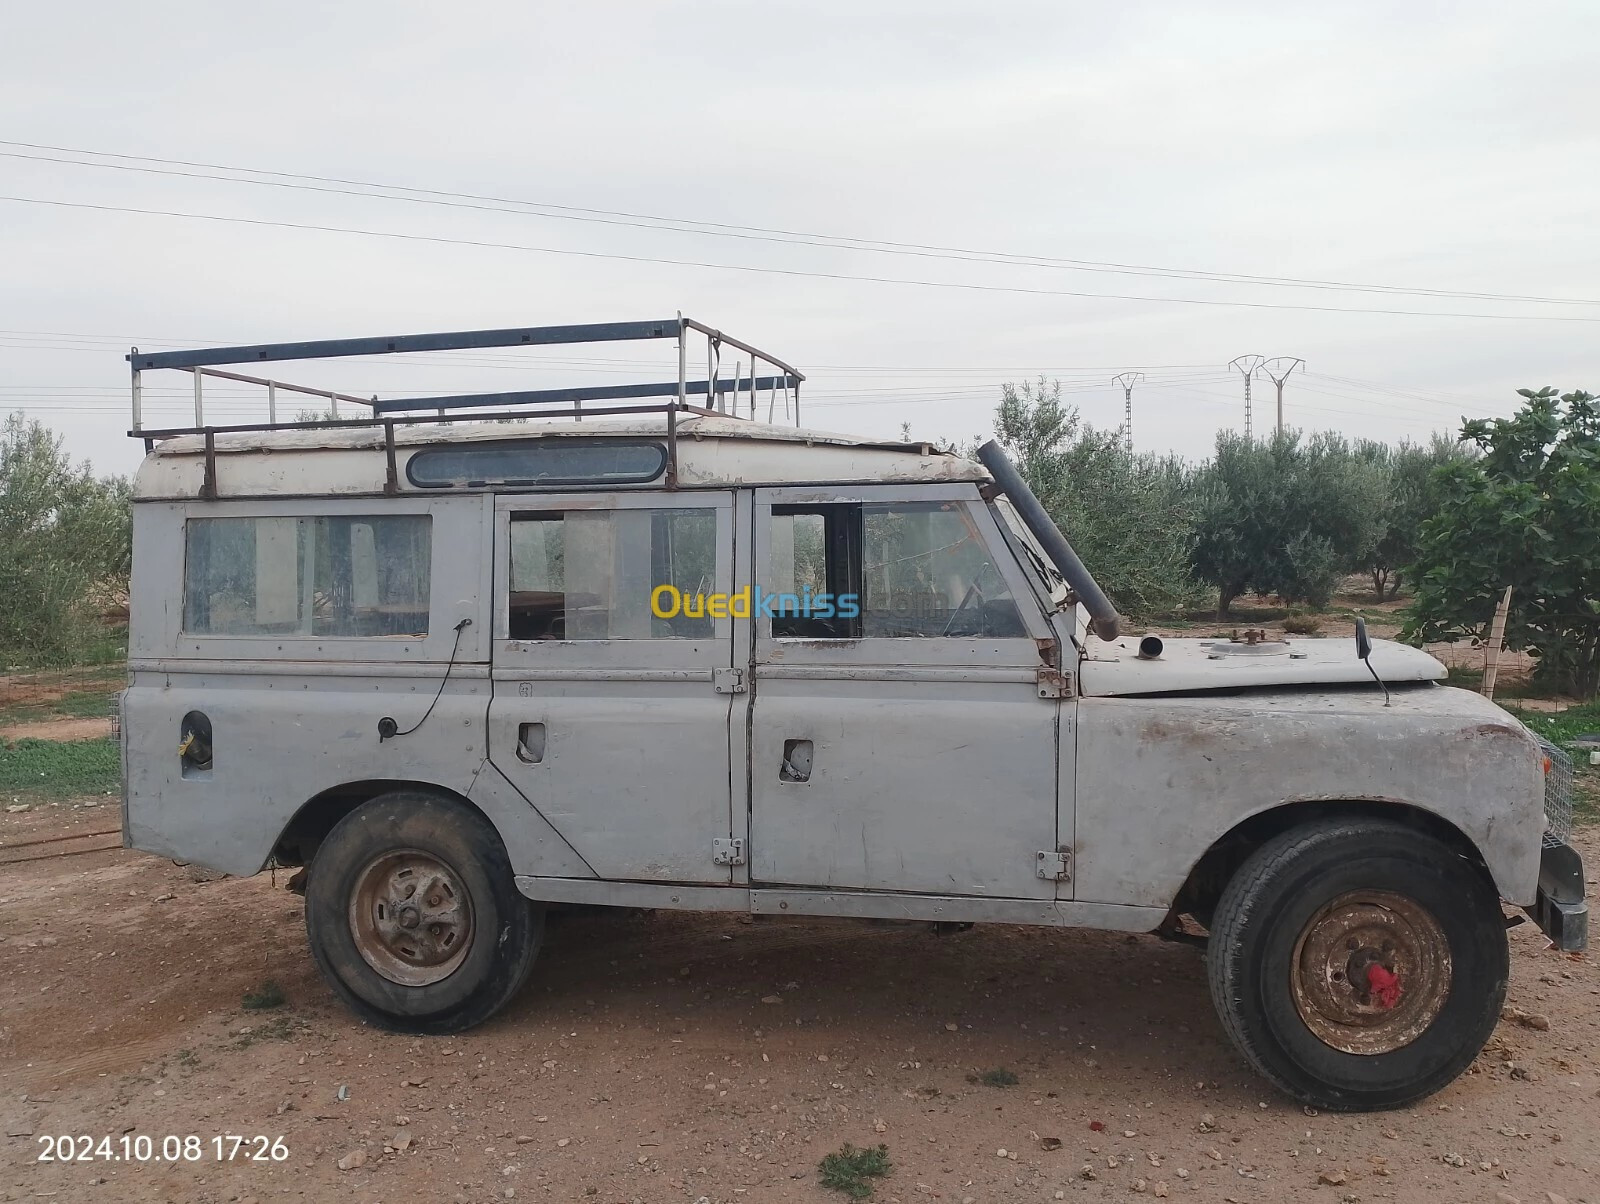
x: 850, y: 1169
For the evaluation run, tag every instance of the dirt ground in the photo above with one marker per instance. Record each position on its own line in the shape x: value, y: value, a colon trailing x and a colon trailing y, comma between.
x: 680, y: 1058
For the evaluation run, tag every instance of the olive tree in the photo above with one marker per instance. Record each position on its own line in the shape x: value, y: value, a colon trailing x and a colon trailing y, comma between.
x: 1525, y: 513
x: 1130, y: 517
x: 1286, y: 516
x: 64, y: 547
x: 1413, y: 498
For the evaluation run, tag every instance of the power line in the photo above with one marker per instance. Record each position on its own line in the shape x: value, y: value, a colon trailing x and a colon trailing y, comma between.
x: 439, y: 240
x: 464, y: 200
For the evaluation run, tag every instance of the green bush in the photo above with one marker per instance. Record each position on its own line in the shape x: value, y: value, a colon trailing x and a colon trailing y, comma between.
x: 850, y: 1169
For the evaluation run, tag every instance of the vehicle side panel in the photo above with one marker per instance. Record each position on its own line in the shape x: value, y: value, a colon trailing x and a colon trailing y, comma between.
x: 1161, y: 779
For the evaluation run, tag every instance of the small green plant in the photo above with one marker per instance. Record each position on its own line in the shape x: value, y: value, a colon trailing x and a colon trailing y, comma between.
x: 998, y: 1077
x: 850, y: 1169
x: 1302, y: 625
x: 268, y: 995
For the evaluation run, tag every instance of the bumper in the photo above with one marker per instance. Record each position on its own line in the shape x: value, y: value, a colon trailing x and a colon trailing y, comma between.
x: 1560, y: 909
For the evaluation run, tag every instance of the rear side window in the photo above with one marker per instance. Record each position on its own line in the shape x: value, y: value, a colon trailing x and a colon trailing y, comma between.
x: 594, y: 574
x: 286, y: 576
x: 538, y: 462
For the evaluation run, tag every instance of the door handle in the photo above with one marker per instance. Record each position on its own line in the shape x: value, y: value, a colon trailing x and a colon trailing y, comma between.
x: 530, y: 742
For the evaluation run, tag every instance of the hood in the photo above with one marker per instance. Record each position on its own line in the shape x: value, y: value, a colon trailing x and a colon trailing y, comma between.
x: 1114, y: 668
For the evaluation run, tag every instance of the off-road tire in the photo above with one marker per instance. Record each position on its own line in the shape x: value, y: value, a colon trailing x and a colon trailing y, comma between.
x: 1265, y: 911
x: 506, y: 928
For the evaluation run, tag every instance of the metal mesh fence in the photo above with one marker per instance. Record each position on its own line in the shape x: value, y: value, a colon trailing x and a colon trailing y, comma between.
x: 1557, y: 792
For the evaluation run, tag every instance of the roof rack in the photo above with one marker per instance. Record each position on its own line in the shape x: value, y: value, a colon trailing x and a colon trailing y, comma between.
x: 525, y: 403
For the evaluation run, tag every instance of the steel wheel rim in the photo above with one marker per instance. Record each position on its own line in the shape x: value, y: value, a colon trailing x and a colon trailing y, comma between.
x: 1343, y: 1000
x: 411, y: 917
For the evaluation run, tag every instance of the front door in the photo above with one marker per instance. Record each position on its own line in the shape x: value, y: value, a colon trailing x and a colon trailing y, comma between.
x: 610, y: 708
x: 899, y: 740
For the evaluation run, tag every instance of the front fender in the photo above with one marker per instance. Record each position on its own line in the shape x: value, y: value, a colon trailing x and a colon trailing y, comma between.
x: 1162, y: 779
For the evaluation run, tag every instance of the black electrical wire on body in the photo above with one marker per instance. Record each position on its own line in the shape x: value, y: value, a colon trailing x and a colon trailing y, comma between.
x: 388, y: 729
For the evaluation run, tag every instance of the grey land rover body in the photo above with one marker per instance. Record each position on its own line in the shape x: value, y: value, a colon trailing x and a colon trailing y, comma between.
x: 433, y: 665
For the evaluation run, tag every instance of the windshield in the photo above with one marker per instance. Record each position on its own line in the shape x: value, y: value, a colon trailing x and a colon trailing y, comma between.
x: 1052, y: 584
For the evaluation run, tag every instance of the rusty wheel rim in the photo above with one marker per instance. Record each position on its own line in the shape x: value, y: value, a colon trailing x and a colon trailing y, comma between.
x: 1371, y: 972
x: 411, y: 917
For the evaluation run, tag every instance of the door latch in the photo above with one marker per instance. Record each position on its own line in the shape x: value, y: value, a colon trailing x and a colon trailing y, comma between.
x: 725, y: 851
x: 727, y: 681
x: 1054, y: 864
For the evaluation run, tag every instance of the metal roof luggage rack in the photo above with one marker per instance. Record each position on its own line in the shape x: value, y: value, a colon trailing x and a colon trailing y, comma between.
x: 528, y: 403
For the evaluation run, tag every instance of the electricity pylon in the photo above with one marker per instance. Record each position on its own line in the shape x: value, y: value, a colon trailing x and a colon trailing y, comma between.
x: 1247, y: 364
x: 1277, y: 373
x: 1127, y: 380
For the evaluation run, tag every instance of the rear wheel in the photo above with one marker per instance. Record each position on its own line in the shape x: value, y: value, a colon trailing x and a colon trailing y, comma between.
x: 414, y: 916
x: 1358, y: 964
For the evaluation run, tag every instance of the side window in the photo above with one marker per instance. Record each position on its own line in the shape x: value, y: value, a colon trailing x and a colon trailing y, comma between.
x: 361, y: 575
x: 897, y: 570
x: 816, y: 568
x: 600, y: 574
x: 927, y: 571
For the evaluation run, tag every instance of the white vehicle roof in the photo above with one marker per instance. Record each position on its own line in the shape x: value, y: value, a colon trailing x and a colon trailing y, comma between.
x: 712, y: 452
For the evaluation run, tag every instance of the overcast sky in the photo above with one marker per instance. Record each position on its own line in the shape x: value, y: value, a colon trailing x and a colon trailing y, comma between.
x: 1433, y: 147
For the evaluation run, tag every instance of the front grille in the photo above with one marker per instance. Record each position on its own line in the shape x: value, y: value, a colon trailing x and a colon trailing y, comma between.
x: 1557, y: 792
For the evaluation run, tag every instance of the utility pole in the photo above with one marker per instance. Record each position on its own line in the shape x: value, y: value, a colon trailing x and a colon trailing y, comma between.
x: 1127, y: 380
x: 1247, y: 364
x: 1277, y: 373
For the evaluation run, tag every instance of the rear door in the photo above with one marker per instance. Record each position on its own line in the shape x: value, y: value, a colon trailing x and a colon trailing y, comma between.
x: 611, y: 705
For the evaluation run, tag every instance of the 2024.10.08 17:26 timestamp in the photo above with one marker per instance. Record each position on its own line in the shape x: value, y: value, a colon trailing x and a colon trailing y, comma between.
x: 141, y: 1147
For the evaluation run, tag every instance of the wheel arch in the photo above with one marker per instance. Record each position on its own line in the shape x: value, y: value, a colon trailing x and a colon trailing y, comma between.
x: 1209, y: 875
x: 309, y: 826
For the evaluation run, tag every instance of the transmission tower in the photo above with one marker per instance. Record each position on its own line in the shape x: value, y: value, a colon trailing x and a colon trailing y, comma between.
x: 1248, y: 365
x: 1127, y: 380
x: 1277, y: 373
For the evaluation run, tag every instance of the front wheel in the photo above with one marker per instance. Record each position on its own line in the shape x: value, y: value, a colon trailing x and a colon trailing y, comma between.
x: 414, y: 917
x: 1358, y: 964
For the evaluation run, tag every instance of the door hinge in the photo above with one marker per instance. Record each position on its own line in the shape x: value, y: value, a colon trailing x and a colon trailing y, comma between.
x: 725, y: 851
x: 1054, y: 683
x: 727, y: 681
x: 1054, y: 864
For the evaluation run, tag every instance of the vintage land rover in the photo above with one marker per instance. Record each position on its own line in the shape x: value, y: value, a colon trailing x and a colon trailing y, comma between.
x: 654, y: 653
